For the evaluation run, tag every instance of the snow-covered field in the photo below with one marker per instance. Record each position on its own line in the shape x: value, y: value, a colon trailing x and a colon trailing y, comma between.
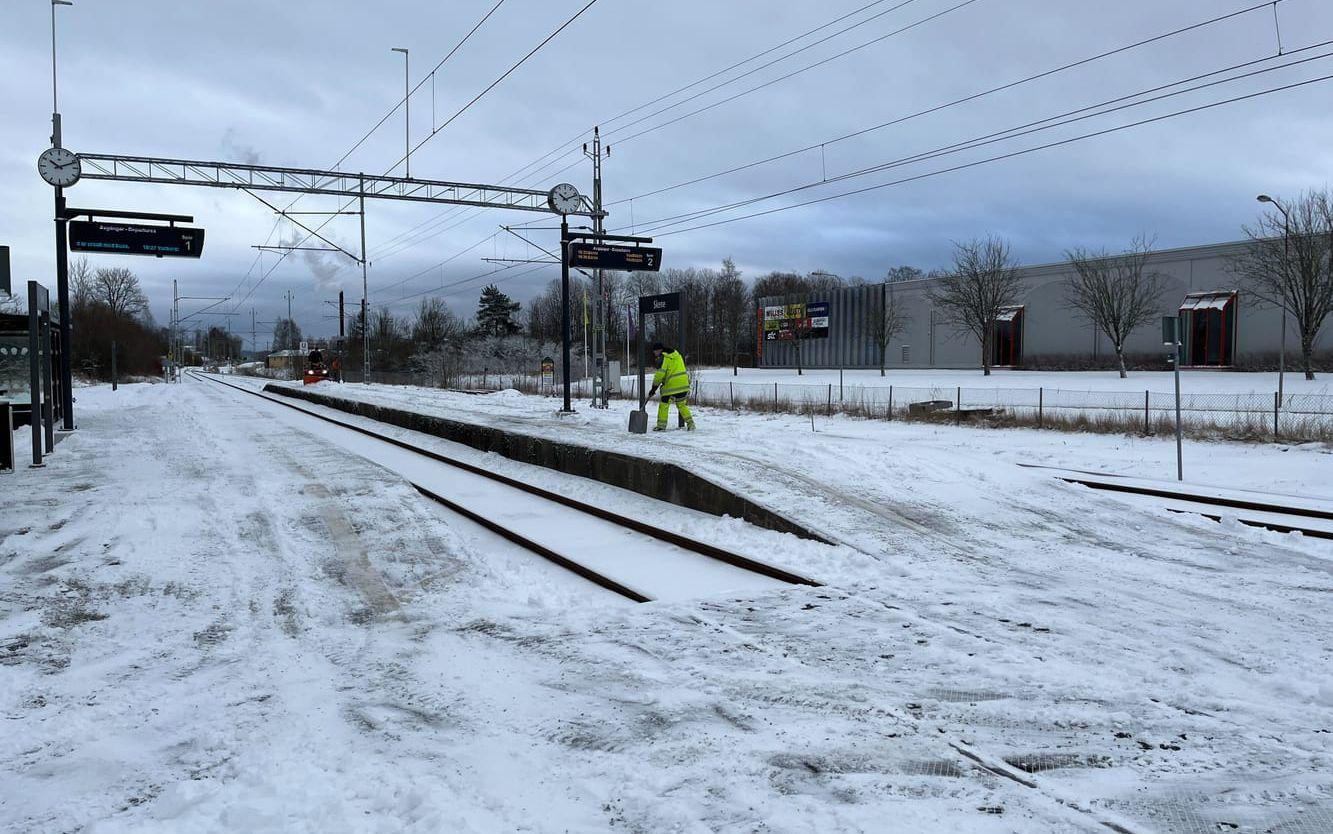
x: 210, y: 621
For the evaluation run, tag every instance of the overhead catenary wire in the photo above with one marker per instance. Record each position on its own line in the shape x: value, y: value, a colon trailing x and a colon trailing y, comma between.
x: 1136, y: 99
x: 443, y: 223
x: 575, y: 141
x: 616, y: 137
x: 1009, y: 155
x: 446, y: 221
x: 436, y: 130
x: 954, y: 102
x: 362, y: 140
x: 566, y: 147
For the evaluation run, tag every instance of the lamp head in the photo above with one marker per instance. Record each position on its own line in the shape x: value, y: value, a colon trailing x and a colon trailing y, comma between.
x: 1264, y: 198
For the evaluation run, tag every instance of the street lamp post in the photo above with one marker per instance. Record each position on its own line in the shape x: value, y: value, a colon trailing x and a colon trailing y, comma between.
x: 407, y: 112
x: 1286, y: 290
x: 62, y: 249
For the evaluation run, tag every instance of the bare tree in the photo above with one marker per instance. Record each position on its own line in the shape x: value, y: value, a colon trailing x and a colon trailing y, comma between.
x: 1289, y: 265
x: 729, y: 304
x: 895, y: 274
x: 435, y: 325
x: 115, y: 288
x: 890, y: 318
x: 1117, y: 294
x: 286, y: 335
x: 984, y: 281
x: 81, y: 282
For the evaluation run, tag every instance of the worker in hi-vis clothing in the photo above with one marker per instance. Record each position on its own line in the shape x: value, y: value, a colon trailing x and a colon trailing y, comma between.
x: 674, y: 381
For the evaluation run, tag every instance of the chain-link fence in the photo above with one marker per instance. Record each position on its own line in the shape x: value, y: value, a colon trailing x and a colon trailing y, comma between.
x: 1295, y: 416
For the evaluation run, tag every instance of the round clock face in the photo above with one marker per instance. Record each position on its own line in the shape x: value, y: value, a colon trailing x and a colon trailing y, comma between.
x: 59, y: 167
x: 564, y: 199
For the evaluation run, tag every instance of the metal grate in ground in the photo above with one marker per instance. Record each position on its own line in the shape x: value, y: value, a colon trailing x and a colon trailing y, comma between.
x: 1227, y: 812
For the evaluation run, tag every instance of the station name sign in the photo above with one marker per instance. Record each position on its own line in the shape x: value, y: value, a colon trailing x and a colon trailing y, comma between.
x: 135, y: 239
x: 665, y: 303
x: 608, y: 256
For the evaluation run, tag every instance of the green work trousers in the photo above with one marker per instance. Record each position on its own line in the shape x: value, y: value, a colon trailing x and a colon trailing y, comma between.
x: 682, y: 405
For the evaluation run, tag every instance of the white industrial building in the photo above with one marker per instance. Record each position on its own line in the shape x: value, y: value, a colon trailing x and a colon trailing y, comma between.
x: 1224, y: 326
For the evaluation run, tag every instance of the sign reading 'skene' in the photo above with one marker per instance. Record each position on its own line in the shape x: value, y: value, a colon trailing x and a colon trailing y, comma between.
x: 664, y: 303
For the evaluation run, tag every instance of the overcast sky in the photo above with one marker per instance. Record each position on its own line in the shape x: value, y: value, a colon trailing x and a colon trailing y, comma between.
x: 296, y: 83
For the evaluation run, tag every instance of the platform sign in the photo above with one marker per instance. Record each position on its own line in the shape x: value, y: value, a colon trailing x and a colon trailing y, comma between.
x: 788, y: 322
x: 135, y: 239
x: 665, y: 303
x: 609, y: 256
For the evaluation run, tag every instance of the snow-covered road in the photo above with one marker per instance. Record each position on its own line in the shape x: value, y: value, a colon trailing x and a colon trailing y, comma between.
x: 210, y: 621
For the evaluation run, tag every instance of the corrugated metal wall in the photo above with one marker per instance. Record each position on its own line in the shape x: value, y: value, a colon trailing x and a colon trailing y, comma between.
x: 850, y: 343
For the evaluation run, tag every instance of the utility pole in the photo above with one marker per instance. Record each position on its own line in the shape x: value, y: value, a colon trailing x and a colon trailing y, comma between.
x: 289, y: 309
x: 599, y: 316
x: 407, y: 116
x: 365, y: 292
x: 175, y: 330
x: 254, y: 334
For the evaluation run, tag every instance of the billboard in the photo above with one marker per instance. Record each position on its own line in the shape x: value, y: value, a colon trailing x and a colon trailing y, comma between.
x: 789, y: 322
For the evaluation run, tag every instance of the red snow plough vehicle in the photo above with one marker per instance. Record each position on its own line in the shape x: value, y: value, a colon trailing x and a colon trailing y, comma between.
x: 316, y: 370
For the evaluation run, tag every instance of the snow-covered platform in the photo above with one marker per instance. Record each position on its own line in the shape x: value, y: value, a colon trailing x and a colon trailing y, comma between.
x: 212, y: 622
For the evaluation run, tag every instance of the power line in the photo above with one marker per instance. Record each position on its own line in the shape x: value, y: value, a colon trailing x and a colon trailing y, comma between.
x: 502, y: 77
x: 419, y: 85
x: 439, y: 265
x: 436, y: 130
x: 954, y: 103
x: 563, y: 148
x: 807, y: 67
x: 1058, y: 120
x: 1004, y: 156
x: 604, y: 122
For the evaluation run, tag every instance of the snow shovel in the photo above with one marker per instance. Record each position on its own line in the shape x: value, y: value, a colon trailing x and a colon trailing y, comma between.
x: 638, y: 421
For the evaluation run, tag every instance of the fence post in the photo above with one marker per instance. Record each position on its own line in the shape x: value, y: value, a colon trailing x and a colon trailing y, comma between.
x: 839, y: 383
x: 890, y: 413
x: 830, y: 400
x: 1277, y: 404
x: 958, y: 407
x: 1041, y: 402
x: 1145, y: 413
x: 731, y: 388
x: 775, y: 395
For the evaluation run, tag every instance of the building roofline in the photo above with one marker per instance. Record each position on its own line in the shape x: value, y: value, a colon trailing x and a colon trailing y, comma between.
x: 1178, y: 253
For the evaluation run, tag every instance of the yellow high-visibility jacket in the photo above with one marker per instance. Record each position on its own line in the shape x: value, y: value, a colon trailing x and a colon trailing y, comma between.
x: 672, y: 378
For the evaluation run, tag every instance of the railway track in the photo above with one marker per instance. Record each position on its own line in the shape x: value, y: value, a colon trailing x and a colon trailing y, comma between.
x: 1280, y: 513
x: 622, y: 554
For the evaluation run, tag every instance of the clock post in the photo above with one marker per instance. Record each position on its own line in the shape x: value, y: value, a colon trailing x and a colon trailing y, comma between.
x: 62, y: 296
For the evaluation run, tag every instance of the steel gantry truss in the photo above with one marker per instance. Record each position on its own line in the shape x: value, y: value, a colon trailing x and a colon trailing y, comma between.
x: 308, y: 181
x: 357, y: 187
